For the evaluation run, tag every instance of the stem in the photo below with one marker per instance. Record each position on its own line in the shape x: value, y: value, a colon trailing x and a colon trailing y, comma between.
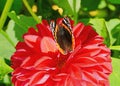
x: 5, y: 13
x: 75, y: 12
x: 31, y: 12
x: 75, y: 18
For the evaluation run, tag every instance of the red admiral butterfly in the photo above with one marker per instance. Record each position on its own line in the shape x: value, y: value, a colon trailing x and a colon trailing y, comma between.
x: 63, y: 35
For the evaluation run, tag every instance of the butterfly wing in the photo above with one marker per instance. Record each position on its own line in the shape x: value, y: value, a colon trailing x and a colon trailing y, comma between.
x: 63, y: 35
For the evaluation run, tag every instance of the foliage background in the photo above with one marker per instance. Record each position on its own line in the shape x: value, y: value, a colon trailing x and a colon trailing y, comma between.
x: 18, y: 15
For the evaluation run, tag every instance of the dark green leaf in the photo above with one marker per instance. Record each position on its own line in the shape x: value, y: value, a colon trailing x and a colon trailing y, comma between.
x: 4, y: 68
x: 85, y: 21
x: 113, y: 29
x: 14, y: 17
x: 17, y: 6
x: 28, y: 20
x: 2, y: 4
x: 6, y: 80
x: 114, y: 1
x: 46, y: 11
x: 90, y: 4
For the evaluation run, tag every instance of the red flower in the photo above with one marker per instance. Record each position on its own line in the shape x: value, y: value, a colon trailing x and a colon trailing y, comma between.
x: 38, y: 62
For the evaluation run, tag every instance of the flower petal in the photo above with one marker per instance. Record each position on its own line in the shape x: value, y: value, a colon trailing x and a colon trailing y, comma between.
x: 48, y: 45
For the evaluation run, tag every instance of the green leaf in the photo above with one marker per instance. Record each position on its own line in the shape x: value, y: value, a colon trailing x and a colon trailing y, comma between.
x: 28, y: 20
x: 114, y: 1
x: 115, y: 76
x: 100, y: 26
x: 22, y: 21
x: 69, y: 6
x: 4, y: 68
x: 90, y: 4
x: 75, y: 5
x: 6, y: 80
x: 6, y: 48
x: 115, y: 47
x: 17, y: 6
x: 14, y: 17
x: 46, y: 11
x: 15, y: 32
x: 18, y: 26
x: 114, y: 29
x: 115, y: 35
x: 102, y: 4
x: 11, y: 32
x: 2, y: 4
x: 65, y: 5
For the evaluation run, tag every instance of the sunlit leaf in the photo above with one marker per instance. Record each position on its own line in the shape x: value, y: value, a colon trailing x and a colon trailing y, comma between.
x: 7, y: 80
x: 4, y: 68
x: 75, y: 5
x: 115, y: 76
x: 100, y: 26
x: 11, y: 32
x: 115, y: 47
x: 6, y: 48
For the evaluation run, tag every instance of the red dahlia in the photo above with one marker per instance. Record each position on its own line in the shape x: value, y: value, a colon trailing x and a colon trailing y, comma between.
x: 38, y: 62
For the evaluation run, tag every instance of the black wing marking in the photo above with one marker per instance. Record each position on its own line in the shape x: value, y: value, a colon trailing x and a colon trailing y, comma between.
x: 66, y: 21
x: 52, y: 26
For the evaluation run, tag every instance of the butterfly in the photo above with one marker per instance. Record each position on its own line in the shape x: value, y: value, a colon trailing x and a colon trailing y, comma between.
x: 63, y: 35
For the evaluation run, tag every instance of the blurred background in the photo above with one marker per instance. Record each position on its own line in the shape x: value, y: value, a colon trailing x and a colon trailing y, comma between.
x: 16, y: 16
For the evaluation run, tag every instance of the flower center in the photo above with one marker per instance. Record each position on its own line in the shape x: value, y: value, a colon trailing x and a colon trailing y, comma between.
x: 61, y: 62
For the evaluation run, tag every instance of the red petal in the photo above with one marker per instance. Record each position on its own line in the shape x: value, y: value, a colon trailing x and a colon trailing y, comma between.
x: 33, y: 41
x: 32, y: 31
x: 43, y: 31
x: 44, y: 63
x: 39, y: 78
x: 48, y: 45
x: 78, y: 29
